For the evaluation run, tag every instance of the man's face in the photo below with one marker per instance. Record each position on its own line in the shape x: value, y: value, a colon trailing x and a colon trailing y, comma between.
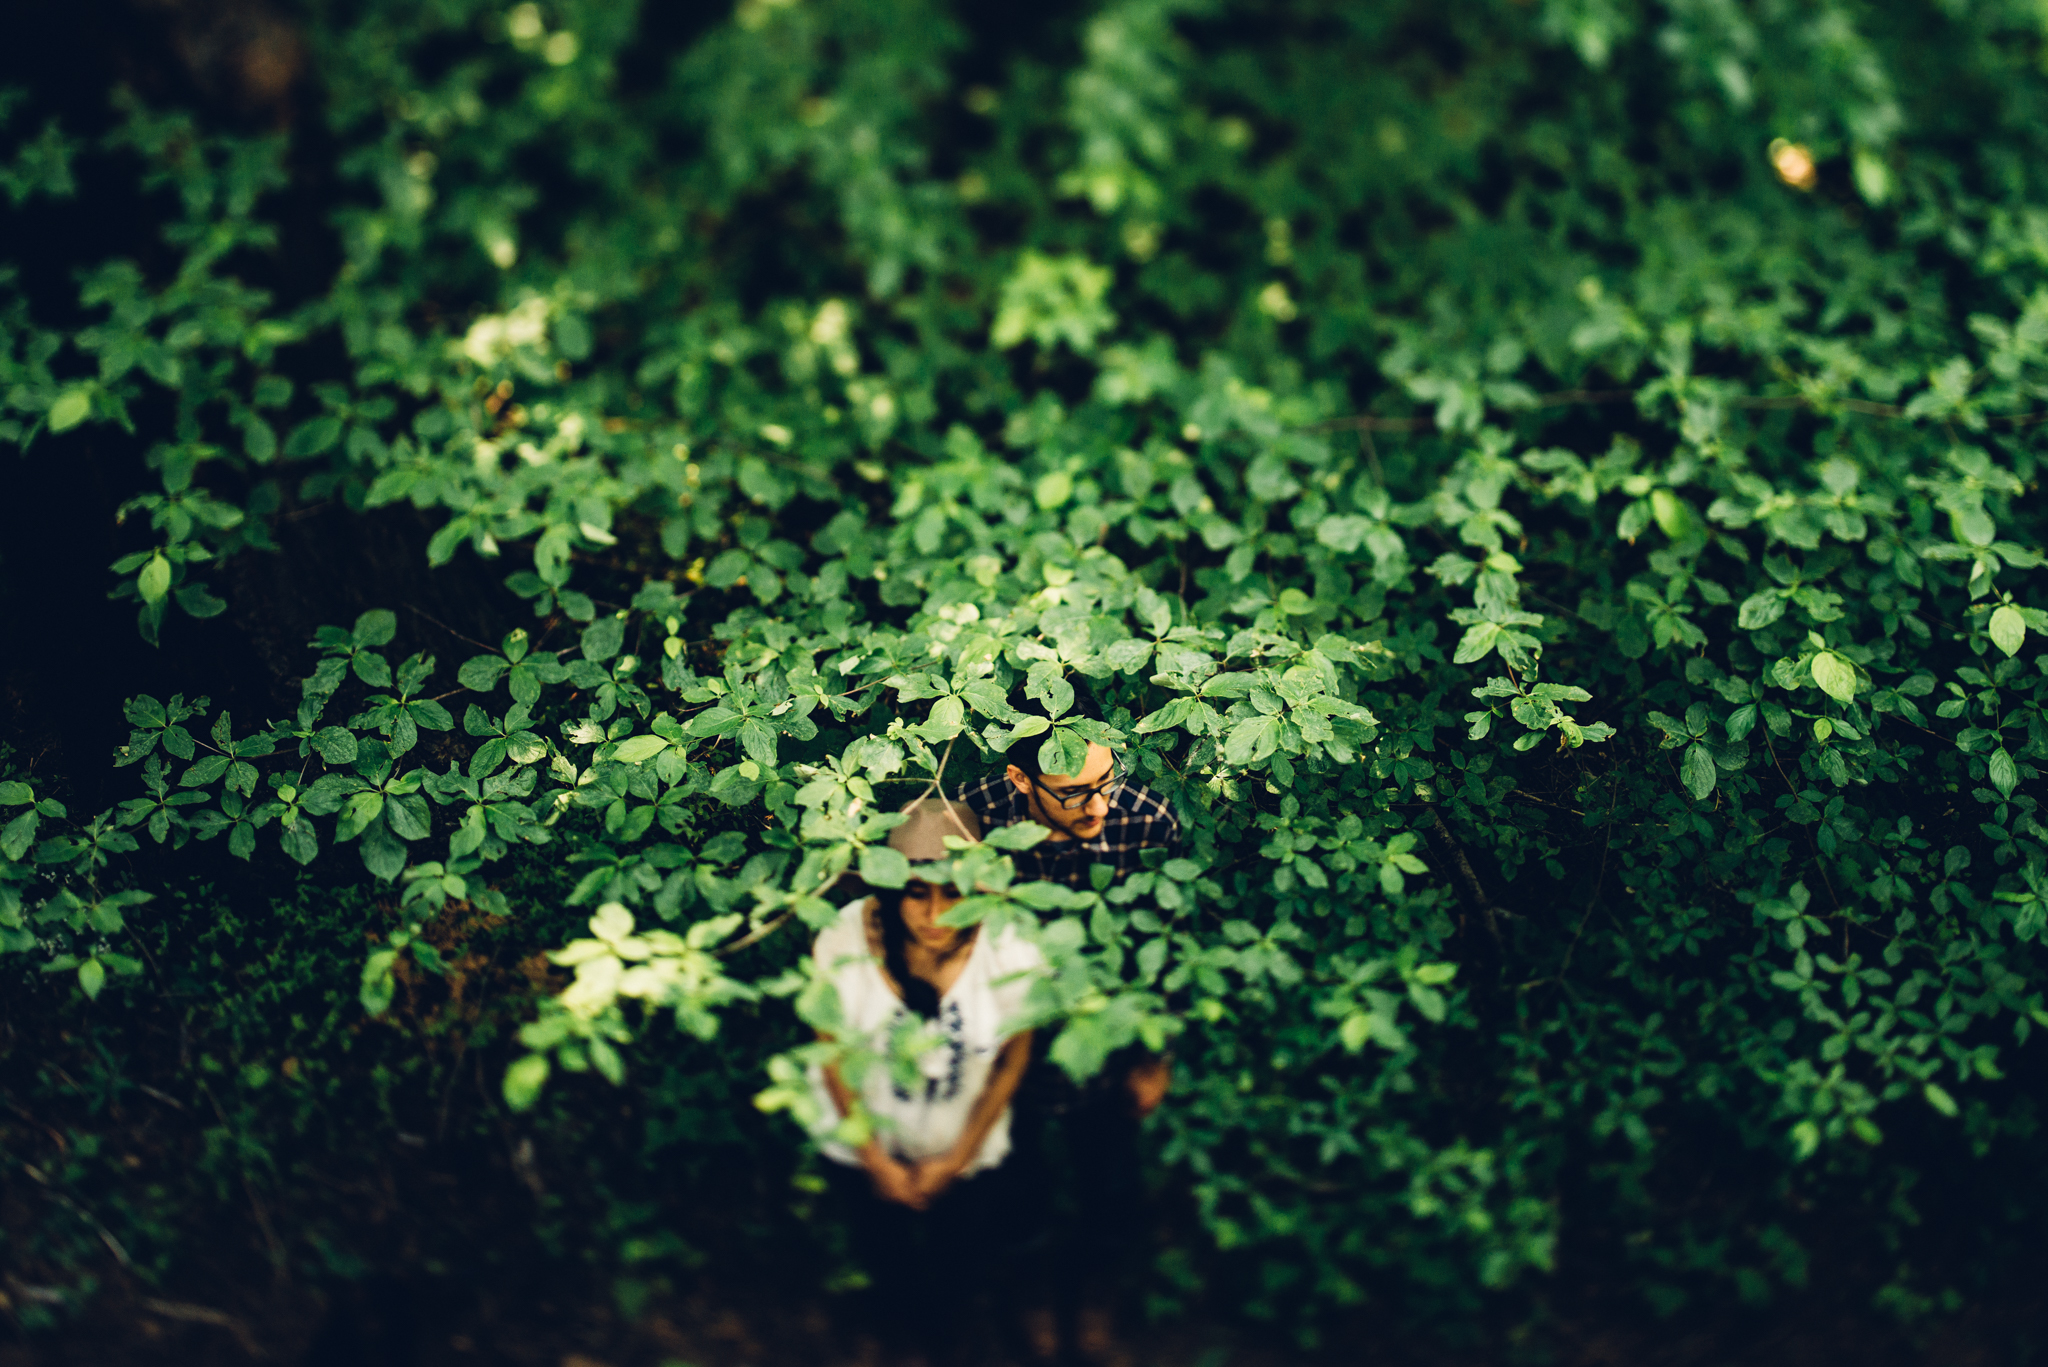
x: 1043, y: 797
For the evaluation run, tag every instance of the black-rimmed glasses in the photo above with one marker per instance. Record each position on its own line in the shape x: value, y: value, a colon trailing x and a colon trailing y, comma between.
x: 1074, y: 799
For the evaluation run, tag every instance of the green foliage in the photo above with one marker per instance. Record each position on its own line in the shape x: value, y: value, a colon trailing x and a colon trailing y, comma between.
x: 1287, y: 384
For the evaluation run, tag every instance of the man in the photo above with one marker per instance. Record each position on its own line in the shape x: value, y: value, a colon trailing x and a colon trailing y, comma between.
x: 1095, y: 816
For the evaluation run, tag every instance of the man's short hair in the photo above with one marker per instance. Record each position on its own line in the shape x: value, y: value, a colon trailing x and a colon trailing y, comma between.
x: 1024, y: 753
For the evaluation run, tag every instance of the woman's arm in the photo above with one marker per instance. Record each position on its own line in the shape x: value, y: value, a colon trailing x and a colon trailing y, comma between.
x: 893, y: 1179
x: 934, y: 1175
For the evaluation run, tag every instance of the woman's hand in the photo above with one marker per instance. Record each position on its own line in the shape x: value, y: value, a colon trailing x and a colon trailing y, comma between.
x: 1148, y: 1082
x: 894, y: 1181
x: 934, y: 1175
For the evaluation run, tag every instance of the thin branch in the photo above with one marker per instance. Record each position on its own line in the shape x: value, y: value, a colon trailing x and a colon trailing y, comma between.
x: 1599, y: 882
x: 451, y: 630
x: 938, y: 784
x: 1372, y: 457
x: 1467, y: 875
x: 754, y: 938
x: 106, y: 1235
x: 57, y: 1135
x: 203, y: 1314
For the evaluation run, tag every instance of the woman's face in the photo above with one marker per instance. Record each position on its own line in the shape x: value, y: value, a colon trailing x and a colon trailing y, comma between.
x: 923, y: 904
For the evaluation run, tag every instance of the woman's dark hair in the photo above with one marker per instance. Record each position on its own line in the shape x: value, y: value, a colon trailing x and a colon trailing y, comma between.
x: 920, y: 996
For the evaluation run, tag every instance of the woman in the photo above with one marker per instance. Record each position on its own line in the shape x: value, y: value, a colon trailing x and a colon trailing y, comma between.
x: 932, y: 1207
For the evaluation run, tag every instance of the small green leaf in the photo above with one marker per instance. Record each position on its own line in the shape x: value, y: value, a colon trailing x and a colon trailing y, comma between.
x: 602, y: 638
x: 480, y: 673
x: 198, y: 602
x: 1940, y: 1100
x: 155, y: 580
x: 758, y: 740
x: 71, y: 409
x: 259, y: 440
x: 299, y: 841
x: 1125, y: 657
x: 1355, y: 1030
x: 523, y: 1081
x: 1760, y: 610
x: 381, y: 852
x: 312, y: 437
x: 469, y: 836
x: 1251, y: 741
x: 378, y: 985
x: 883, y: 867
x: 92, y: 976
x: 336, y: 745
x: 1805, y: 1139
x: 2005, y: 774
x: 1674, y: 515
x: 375, y: 627
x: 408, y: 816
x: 1835, y: 676
x: 2008, y: 629
x: 1064, y: 754
x: 1696, y: 771
x: 1477, y: 643
x: 1020, y: 835
x: 639, y: 749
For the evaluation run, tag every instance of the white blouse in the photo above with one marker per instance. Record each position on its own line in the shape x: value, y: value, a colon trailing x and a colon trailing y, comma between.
x: 974, y: 1017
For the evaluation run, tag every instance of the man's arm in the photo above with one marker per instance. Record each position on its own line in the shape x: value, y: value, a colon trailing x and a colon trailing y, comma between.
x: 934, y: 1175
x: 1155, y: 826
x: 1153, y: 820
x: 986, y: 798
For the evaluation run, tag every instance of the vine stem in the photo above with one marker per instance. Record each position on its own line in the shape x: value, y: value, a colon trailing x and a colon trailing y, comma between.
x: 1599, y: 882
x: 106, y: 1235
x: 206, y: 1314
x: 755, y: 937
x: 937, y: 785
x: 450, y: 630
x: 1467, y: 875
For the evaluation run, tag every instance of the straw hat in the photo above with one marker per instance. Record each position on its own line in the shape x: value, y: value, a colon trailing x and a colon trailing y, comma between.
x: 922, y: 839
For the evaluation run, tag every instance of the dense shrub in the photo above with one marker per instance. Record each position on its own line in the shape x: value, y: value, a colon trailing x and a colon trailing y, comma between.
x: 1543, y: 488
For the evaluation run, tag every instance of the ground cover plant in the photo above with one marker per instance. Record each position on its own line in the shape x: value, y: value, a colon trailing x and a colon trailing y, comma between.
x: 1547, y: 490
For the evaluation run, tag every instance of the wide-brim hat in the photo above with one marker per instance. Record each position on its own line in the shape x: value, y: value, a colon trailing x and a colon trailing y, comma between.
x: 922, y: 839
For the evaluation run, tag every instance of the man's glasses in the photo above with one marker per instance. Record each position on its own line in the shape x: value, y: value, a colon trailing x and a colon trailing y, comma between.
x: 1074, y: 799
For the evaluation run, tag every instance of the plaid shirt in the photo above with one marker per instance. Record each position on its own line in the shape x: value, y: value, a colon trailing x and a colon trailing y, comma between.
x: 1138, y: 819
